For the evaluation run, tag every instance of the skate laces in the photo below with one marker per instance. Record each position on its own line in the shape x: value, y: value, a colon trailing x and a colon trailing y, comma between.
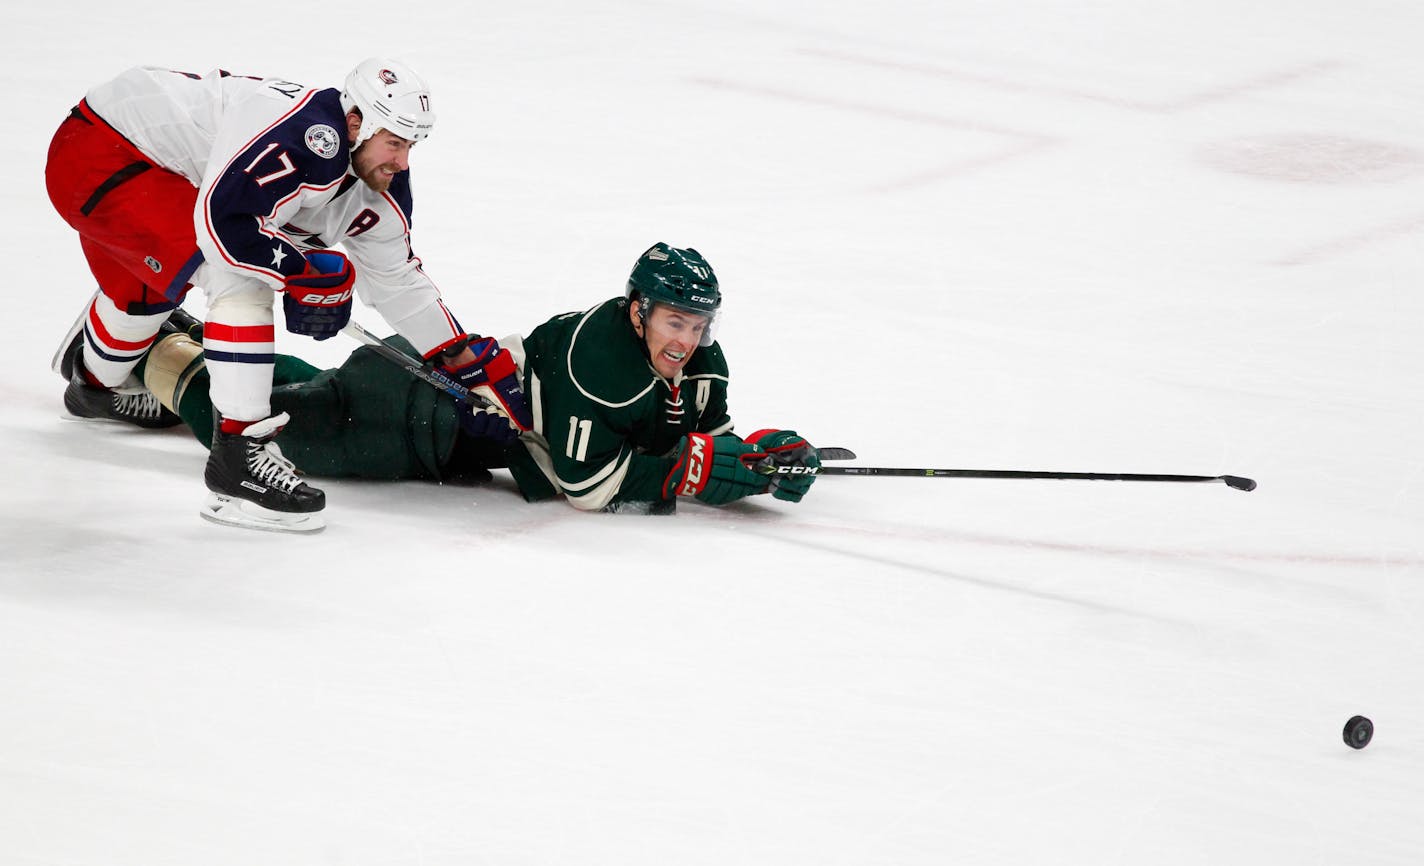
x: 141, y: 405
x: 267, y: 464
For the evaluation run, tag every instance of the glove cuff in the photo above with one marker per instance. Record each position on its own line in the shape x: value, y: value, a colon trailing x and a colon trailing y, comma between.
x: 483, y: 348
x: 785, y: 446
x: 693, y: 469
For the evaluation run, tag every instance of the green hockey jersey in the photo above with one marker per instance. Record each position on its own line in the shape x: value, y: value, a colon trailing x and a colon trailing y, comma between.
x: 606, y: 425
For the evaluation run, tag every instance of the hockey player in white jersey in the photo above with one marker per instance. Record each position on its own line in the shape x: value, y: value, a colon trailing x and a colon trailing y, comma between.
x: 242, y: 186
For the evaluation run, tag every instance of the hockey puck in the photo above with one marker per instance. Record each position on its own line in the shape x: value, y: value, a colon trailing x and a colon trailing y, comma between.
x: 1358, y: 732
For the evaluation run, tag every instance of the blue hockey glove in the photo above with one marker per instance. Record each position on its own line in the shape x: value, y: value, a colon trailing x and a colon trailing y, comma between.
x: 317, y: 302
x: 487, y: 424
x: 494, y: 376
x: 715, y: 469
x: 794, y: 460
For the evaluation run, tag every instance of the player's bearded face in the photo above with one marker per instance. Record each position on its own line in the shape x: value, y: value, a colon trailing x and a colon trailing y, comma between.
x: 672, y: 336
x: 380, y: 158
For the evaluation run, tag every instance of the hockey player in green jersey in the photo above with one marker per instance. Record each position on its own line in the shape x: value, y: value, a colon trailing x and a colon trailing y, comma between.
x: 630, y: 397
x: 629, y: 400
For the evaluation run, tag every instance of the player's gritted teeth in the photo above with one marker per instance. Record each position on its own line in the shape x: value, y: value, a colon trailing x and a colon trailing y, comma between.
x: 672, y: 336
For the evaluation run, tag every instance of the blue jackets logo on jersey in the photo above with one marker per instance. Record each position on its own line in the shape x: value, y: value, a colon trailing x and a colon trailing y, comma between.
x: 322, y: 140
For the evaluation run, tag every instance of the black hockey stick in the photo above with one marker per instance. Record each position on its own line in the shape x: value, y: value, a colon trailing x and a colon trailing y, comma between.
x: 415, y: 367
x: 1234, y: 481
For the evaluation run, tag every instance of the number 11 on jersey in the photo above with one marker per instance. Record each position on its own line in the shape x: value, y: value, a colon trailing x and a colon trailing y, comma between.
x: 579, y: 432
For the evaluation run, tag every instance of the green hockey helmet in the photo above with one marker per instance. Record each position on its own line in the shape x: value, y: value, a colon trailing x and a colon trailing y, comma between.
x: 680, y: 278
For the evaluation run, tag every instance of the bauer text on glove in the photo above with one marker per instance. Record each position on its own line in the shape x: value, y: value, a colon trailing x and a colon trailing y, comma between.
x: 317, y: 302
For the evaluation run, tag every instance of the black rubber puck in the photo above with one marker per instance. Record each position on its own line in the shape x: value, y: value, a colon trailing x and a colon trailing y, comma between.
x: 1358, y: 732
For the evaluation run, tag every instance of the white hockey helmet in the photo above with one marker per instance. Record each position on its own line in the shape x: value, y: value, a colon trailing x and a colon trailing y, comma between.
x: 389, y: 95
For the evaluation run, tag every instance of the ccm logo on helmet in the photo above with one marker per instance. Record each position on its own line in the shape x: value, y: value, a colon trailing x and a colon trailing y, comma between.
x: 315, y: 299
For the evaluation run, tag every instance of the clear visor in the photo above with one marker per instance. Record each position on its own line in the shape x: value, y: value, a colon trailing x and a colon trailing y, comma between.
x: 682, y: 326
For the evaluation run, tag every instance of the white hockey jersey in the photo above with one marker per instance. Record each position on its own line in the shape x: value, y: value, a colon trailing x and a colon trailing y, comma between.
x: 272, y: 165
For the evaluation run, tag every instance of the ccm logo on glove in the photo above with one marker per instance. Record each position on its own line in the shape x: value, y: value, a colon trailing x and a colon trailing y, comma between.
x: 714, y: 469
x: 696, y: 456
x: 774, y: 469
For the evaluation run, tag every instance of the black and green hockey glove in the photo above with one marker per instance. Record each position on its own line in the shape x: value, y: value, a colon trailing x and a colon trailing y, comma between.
x: 794, y: 460
x: 715, y: 470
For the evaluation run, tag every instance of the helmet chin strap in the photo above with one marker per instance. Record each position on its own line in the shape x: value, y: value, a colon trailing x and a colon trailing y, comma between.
x: 642, y: 306
x: 640, y: 327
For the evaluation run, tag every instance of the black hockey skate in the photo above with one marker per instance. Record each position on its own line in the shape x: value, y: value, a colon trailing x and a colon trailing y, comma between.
x: 182, y: 322
x: 255, y: 487
x: 130, y: 403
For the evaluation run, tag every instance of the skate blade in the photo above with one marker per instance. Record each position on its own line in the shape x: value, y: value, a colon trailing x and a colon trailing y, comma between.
x: 231, y: 511
x: 66, y: 415
x: 57, y: 362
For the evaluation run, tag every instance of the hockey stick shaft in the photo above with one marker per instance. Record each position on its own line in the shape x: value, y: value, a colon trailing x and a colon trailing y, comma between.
x: 414, y: 366
x: 1233, y: 481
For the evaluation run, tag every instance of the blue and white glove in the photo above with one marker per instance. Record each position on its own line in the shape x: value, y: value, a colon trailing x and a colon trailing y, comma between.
x: 494, y: 376
x: 487, y: 424
x: 317, y: 302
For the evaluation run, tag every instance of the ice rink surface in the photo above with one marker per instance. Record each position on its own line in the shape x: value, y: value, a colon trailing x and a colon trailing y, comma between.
x: 1106, y: 237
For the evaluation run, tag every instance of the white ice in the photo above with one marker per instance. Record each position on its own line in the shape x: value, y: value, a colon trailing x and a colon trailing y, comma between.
x: 1106, y: 237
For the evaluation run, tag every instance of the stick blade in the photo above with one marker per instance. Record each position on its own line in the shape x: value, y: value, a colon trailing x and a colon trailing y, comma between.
x: 1239, y: 483
x: 835, y: 453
